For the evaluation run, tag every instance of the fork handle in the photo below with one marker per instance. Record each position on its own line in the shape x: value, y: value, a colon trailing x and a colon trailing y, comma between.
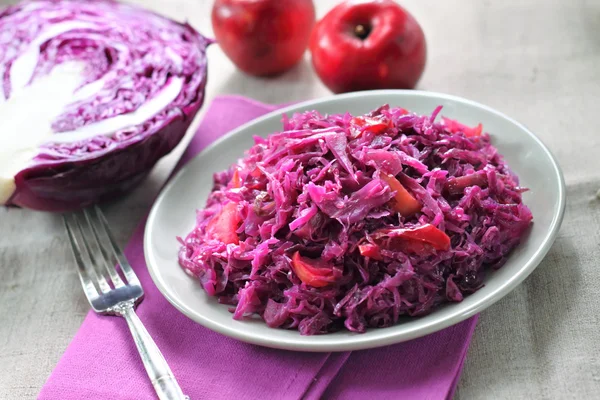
x: 158, y: 370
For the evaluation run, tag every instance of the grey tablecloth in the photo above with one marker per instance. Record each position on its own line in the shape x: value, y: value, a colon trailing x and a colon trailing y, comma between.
x: 536, y: 60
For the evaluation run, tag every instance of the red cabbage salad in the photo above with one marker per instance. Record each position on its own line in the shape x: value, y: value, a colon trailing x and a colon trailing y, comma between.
x: 352, y: 222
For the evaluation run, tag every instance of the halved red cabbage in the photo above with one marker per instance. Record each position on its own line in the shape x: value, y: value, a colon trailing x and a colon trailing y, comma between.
x: 307, y: 230
x: 93, y: 94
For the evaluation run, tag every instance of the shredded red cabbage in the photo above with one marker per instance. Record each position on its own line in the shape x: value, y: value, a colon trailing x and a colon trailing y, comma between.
x: 340, y: 221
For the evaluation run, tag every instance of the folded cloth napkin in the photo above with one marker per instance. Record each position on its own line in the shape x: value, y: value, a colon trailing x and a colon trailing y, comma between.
x: 102, y: 362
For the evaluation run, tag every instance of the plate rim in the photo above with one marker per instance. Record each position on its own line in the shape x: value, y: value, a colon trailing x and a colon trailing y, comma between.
x: 385, y: 336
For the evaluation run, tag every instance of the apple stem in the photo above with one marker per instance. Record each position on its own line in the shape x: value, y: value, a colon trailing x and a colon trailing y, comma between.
x: 362, y: 31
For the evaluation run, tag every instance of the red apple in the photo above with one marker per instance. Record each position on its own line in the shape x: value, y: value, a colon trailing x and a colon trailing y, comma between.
x: 263, y: 37
x: 362, y: 45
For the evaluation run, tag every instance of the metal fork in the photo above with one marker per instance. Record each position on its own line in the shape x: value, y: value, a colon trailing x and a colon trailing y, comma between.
x: 112, y: 293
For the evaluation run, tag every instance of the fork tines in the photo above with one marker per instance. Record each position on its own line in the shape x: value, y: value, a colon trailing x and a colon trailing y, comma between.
x: 97, y: 254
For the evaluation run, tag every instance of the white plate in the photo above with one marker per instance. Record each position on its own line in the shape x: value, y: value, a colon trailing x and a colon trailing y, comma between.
x: 173, y: 214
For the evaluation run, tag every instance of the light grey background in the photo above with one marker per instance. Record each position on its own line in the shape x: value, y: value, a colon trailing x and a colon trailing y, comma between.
x: 536, y: 60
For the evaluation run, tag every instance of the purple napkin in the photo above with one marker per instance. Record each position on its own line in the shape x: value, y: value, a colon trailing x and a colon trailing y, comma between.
x: 102, y: 362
